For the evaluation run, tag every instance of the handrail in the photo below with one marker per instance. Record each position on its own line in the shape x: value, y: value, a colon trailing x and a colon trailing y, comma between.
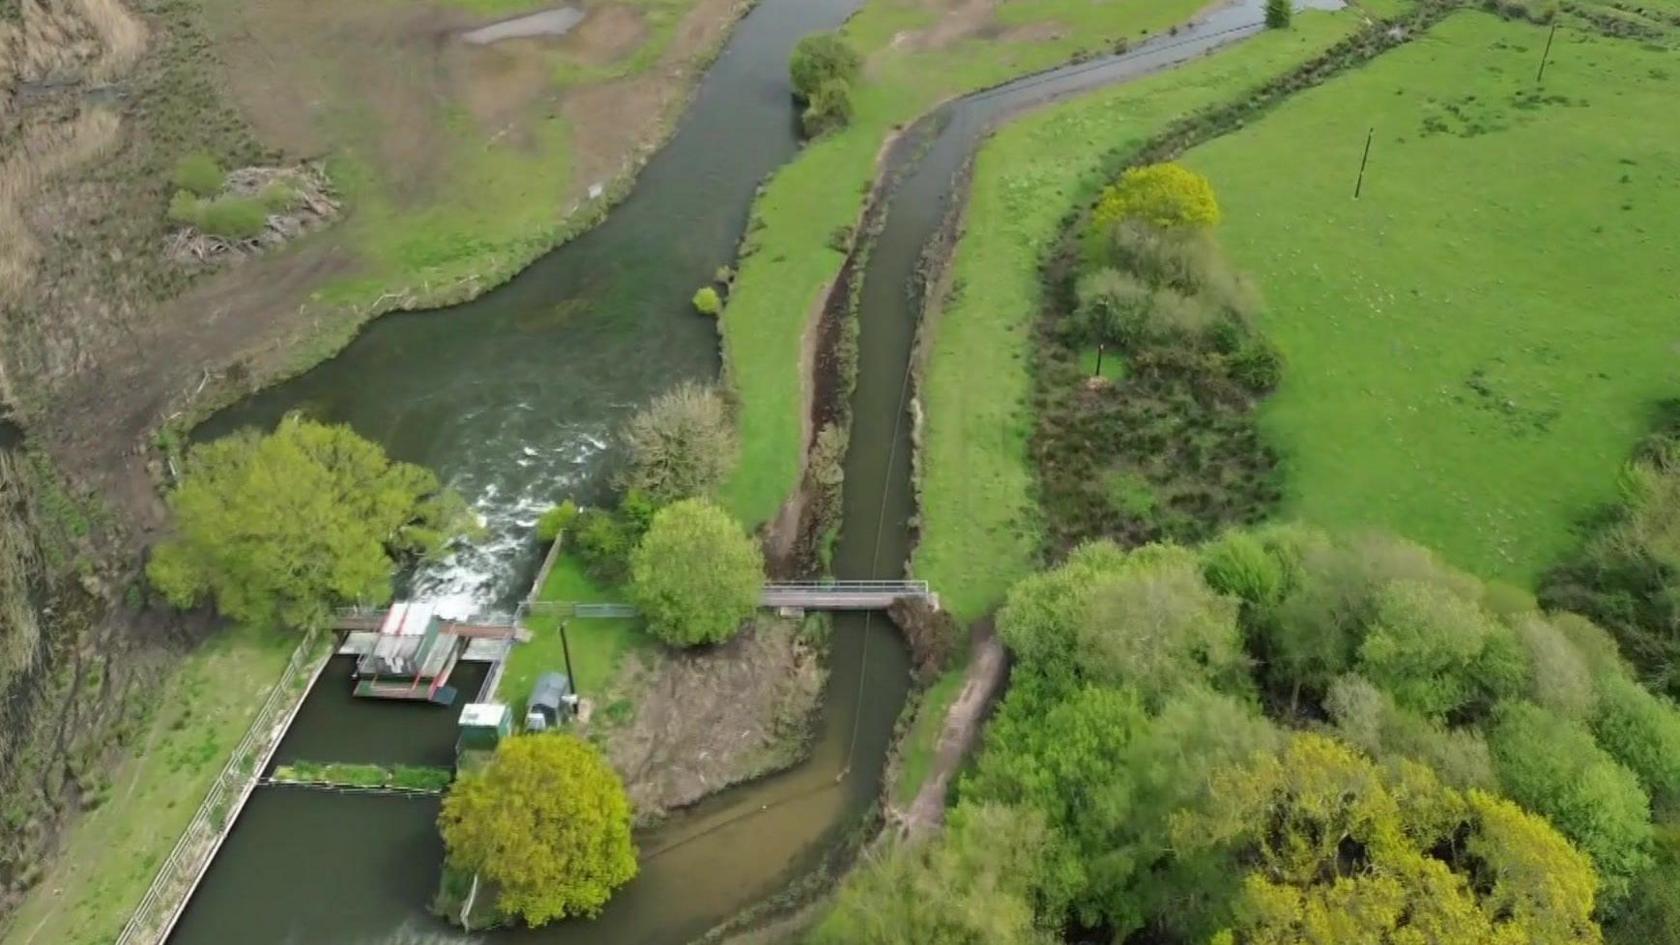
x: 176, y: 878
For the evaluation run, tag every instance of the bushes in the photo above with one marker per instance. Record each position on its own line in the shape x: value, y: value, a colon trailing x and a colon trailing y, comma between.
x: 556, y: 520
x: 1437, y: 653
x: 1627, y: 576
x: 1169, y: 196
x: 198, y: 174
x: 1642, y: 731
x: 235, y: 218
x: 695, y: 575
x: 681, y: 445
x: 1279, y: 13
x: 823, y: 68
x: 707, y: 301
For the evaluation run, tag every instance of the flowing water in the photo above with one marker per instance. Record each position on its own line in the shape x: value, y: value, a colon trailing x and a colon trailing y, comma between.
x: 511, y: 398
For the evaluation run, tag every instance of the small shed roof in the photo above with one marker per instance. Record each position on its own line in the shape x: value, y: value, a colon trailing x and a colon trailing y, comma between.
x: 483, y: 714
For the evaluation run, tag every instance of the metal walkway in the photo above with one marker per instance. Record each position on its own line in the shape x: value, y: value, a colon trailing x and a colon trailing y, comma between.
x: 795, y: 595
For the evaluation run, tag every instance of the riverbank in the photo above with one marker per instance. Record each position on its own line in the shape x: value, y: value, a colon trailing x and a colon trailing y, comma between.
x: 803, y: 221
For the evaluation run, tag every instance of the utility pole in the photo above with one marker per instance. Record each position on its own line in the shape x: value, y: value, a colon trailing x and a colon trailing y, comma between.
x: 1541, y: 74
x: 566, y: 648
x: 1359, y: 184
x: 1098, y: 371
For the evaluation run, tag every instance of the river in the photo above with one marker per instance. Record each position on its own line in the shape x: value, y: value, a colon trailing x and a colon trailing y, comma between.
x: 511, y: 399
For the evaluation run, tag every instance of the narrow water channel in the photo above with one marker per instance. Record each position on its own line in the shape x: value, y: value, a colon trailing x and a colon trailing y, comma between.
x: 538, y: 371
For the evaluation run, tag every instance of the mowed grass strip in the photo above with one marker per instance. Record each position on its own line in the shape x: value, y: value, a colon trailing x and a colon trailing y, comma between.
x: 598, y: 645
x: 823, y: 190
x: 980, y: 525
x: 112, y: 852
x: 1473, y: 345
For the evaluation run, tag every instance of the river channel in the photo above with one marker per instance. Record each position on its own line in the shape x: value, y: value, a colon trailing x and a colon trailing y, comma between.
x: 511, y: 399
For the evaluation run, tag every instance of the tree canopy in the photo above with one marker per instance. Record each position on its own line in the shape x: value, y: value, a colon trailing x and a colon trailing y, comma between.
x: 695, y: 576
x: 680, y: 446
x: 279, y: 529
x: 547, y: 821
x: 822, y: 58
x: 1169, y: 196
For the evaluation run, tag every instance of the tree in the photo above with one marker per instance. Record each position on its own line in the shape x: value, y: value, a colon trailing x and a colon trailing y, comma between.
x: 1560, y: 678
x: 827, y: 108
x: 1164, y: 195
x: 556, y: 520
x: 547, y: 821
x: 1340, y: 850
x: 695, y: 576
x: 707, y: 301
x: 821, y: 58
x: 1113, y: 308
x: 1279, y: 13
x: 974, y: 885
x: 1552, y: 766
x: 1367, y: 718
x: 279, y: 529
x: 680, y: 446
x: 1642, y: 731
x: 1437, y: 653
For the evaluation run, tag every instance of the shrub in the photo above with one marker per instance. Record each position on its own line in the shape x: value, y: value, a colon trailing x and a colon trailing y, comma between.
x: 199, y: 174
x: 556, y: 520
x: 278, y: 197
x: 186, y: 209
x: 547, y: 822
x: 1552, y: 766
x: 1559, y: 677
x: 1112, y: 308
x: 829, y: 108
x: 1279, y: 13
x: 1258, y: 366
x: 1240, y: 565
x: 1369, y: 720
x: 1169, y: 196
x: 679, y: 446
x: 1642, y: 731
x: 234, y: 218
x: 707, y: 301
x: 1437, y: 653
x: 695, y: 576
x: 604, y: 543
x: 821, y: 58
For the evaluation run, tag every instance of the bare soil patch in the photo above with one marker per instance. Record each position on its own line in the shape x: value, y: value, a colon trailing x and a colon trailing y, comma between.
x: 707, y: 719
x: 606, y: 35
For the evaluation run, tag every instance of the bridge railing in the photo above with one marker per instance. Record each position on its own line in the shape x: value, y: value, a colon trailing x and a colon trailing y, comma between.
x: 860, y: 587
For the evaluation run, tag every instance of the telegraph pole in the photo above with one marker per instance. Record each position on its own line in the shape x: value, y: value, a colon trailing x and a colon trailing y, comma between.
x: 566, y: 648
x: 1359, y: 184
x: 1541, y: 74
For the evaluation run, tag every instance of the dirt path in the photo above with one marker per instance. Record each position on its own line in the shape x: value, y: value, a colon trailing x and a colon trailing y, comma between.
x: 988, y: 669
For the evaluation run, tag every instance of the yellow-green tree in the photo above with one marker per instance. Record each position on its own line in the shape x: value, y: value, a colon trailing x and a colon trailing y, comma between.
x: 1165, y: 195
x: 547, y: 822
x: 278, y: 529
x: 1345, y: 851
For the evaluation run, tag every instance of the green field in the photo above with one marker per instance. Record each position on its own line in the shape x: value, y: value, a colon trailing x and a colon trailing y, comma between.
x: 1473, y: 345
x: 598, y: 646
x: 979, y: 524
x: 824, y: 188
x: 112, y: 852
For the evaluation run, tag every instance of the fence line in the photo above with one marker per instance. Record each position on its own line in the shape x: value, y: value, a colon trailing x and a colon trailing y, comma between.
x: 155, y: 917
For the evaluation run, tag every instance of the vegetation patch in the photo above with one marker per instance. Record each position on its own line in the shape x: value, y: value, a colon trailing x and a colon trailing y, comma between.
x: 417, y: 778
x: 1440, y: 381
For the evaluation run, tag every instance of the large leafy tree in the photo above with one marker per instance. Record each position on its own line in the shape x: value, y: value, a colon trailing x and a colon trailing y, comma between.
x: 1340, y: 850
x: 1438, y: 653
x: 278, y: 529
x: 1552, y: 766
x: 547, y: 822
x: 975, y: 885
x: 1165, y: 195
x: 820, y: 59
x: 695, y: 576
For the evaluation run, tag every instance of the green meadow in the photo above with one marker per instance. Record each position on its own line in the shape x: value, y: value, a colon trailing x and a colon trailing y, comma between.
x: 1475, y: 344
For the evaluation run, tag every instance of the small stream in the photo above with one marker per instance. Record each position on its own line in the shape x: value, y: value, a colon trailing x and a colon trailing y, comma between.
x: 511, y: 398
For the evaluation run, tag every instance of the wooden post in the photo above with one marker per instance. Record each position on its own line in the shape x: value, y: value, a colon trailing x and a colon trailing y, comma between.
x: 1541, y: 73
x: 1098, y: 372
x: 1359, y: 184
x: 566, y: 648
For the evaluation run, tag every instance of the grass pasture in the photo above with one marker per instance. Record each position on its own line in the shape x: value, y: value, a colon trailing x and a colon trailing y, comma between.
x: 1474, y: 344
x: 598, y: 646
x: 914, y: 59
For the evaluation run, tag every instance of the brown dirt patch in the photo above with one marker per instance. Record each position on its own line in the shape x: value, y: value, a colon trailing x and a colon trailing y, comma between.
x: 707, y: 719
x: 606, y: 35
x: 988, y: 669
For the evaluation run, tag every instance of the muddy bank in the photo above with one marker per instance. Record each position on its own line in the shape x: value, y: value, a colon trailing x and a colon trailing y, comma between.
x: 707, y: 720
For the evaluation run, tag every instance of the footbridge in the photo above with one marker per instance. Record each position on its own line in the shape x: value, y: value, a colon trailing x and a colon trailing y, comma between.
x: 790, y: 595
